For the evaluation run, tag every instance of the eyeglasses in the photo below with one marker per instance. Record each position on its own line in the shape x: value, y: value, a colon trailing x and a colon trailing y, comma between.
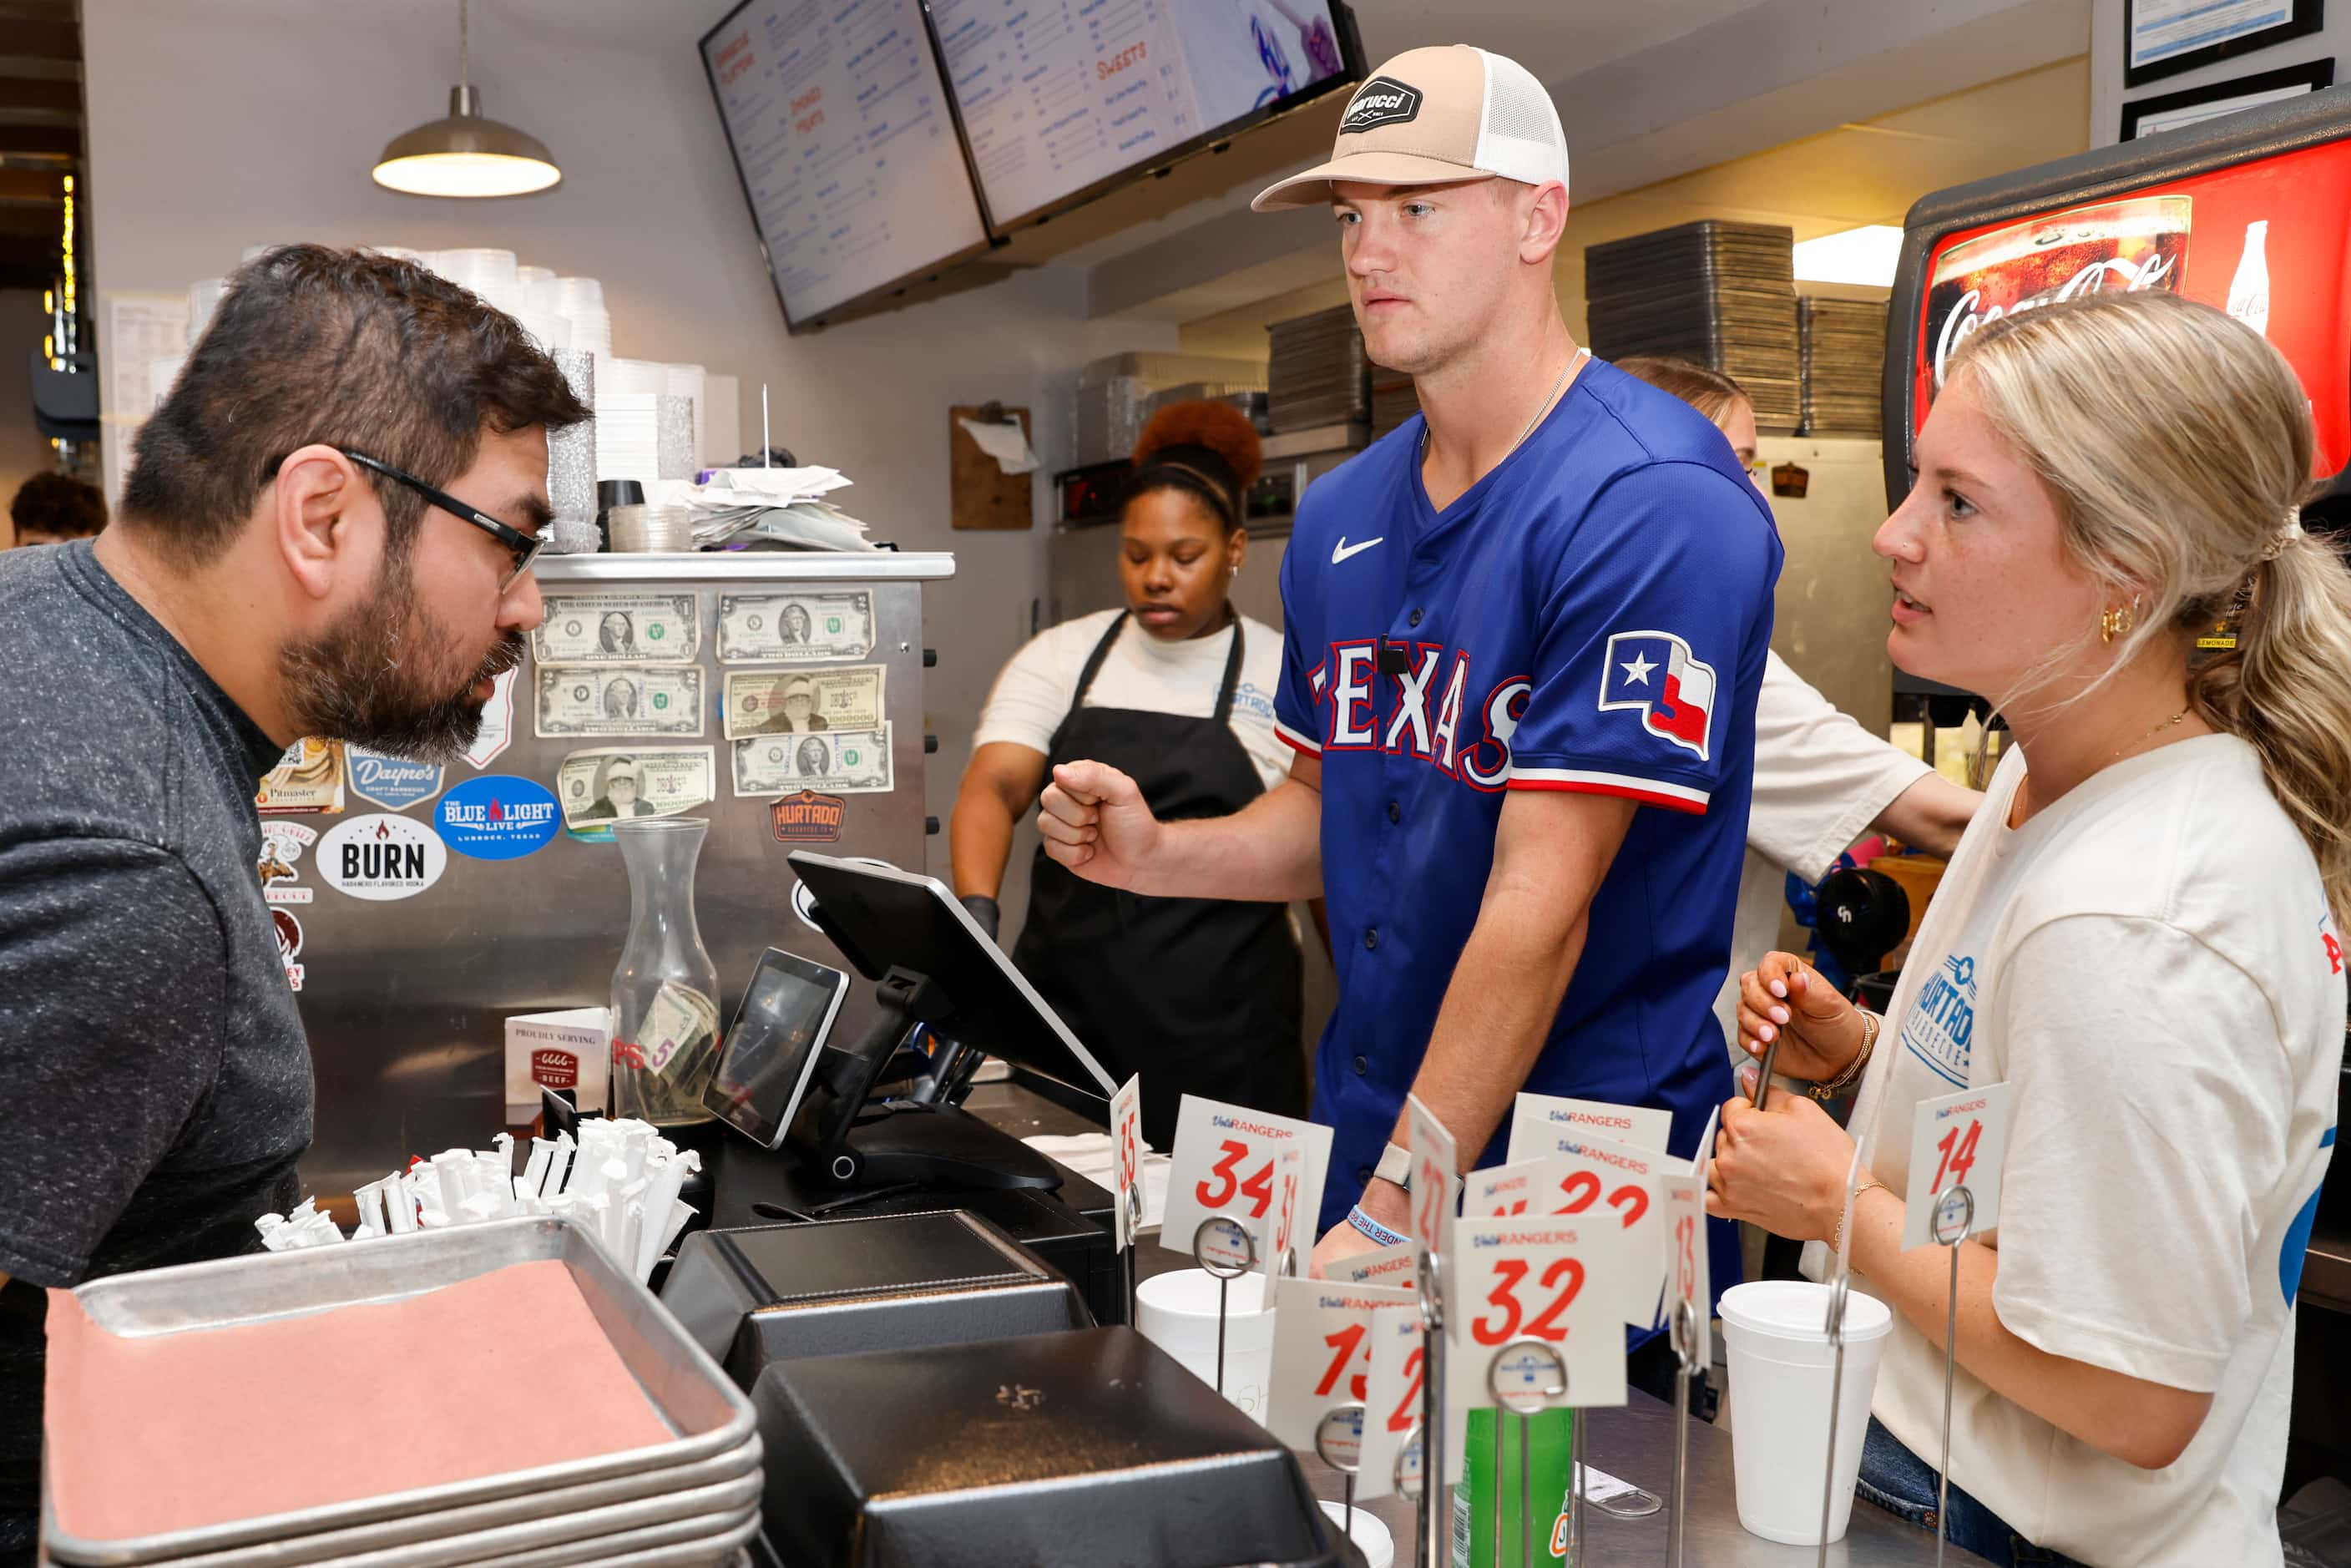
x: 525, y: 547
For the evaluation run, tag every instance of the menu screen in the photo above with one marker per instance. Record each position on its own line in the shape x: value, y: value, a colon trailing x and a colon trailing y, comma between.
x: 1058, y: 96
x: 847, y: 153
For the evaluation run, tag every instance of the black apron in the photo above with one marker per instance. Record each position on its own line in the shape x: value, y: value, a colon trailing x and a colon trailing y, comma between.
x: 1200, y: 996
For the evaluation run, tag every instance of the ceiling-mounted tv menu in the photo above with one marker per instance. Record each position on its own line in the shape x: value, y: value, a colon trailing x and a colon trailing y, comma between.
x: 1062, y: 100
x: 838, y: 117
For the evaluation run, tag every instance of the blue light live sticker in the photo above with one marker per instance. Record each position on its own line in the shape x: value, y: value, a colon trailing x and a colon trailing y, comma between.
x: 497, y: 817
x: 395, y: 783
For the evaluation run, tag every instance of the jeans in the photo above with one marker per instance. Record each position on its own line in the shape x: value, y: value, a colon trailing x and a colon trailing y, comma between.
x: 1899, y: 1482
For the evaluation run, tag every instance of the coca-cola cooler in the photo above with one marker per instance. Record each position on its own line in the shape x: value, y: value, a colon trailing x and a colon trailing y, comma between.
x: 2252, y: 213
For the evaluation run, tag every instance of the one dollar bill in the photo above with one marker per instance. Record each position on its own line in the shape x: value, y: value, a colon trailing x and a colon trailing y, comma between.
x: 603, y: 786
x: 801, y: 628
x: 804, y: 702
x: 619, y: 699
x: 836, y: 762
x: 615, y: 628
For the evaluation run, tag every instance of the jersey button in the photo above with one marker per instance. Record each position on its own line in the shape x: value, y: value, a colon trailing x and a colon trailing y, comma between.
x: 1396, y: 812
x: 1371, y: 939
x: 1416, y: 618
x: 1362, y: 1067
x: 1362, y: 1175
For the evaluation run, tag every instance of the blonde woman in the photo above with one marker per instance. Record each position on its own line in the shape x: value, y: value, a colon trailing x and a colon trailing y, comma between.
x: 2139, y: 934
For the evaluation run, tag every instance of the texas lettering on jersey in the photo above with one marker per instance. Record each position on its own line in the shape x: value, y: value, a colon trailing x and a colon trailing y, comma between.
x: 1421, y: 715
x: 1433, y: 707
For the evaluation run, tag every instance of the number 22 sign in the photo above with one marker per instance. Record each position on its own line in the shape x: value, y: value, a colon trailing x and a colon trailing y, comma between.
x: 1956, y: 1140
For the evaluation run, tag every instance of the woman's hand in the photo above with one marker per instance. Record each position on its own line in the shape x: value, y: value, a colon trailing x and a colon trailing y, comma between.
x: 1784, y: 999
x: 1781, y: 1167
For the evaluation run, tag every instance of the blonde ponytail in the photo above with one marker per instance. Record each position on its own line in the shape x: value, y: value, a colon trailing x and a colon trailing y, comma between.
x: 2287, y: 690
x: 2177, y: 443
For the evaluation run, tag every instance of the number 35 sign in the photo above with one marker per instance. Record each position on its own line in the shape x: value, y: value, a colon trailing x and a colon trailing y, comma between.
x: 1956, y: 1140
x: 1226, y: 1160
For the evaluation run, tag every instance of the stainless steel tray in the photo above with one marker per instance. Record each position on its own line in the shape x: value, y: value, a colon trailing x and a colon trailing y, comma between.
x: 589, y: 1537
x: 691, y: 1397
x: 686, y: 1542
x: 415, y: 1540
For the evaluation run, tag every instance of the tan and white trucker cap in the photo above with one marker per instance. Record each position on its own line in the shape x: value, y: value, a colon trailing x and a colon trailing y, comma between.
x: 1438, y: 116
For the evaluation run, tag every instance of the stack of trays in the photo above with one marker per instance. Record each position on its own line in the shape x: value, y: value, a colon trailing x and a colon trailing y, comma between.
x: 1721, y: 294
x: 1844, y: 362
x: 689, y: 1500
x: 1318, y: 374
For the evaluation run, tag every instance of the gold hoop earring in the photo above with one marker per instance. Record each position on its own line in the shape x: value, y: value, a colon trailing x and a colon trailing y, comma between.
x: 2117, y: 622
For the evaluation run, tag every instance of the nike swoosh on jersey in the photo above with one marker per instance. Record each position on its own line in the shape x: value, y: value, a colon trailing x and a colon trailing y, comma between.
x: 1343, y: 550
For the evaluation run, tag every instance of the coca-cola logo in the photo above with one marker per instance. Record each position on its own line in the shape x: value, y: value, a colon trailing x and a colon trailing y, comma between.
x: 1969, y: 316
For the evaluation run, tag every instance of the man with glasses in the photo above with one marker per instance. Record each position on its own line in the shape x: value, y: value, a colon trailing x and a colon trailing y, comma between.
x: 291, y: 558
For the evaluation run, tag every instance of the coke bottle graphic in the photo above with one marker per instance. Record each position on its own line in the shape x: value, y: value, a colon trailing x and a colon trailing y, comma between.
x: 2248, y: 291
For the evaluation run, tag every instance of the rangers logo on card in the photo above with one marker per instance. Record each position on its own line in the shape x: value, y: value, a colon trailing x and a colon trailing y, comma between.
x: 1656, y: 673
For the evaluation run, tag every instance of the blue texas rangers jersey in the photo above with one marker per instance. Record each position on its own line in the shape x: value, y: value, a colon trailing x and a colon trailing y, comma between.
x: 1592, y: 615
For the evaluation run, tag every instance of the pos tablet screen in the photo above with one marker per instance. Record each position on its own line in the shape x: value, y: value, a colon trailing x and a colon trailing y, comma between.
x: 771, y: 1046
x: 884, y: 918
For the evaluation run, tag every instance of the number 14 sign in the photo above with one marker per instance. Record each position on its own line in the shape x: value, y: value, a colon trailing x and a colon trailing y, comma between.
x: 1956, y: 1140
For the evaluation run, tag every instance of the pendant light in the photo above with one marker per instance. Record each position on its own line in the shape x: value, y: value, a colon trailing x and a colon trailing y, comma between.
x: 465, y: 154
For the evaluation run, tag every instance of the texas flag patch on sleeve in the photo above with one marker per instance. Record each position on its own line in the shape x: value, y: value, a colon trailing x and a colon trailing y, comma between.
x: 1656, y: 674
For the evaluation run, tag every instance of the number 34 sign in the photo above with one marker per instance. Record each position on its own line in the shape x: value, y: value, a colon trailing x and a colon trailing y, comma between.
x: 1956, y: 1140
x: 1226, y: 1160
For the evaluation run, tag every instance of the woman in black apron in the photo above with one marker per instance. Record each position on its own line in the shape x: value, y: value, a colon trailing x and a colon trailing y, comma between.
x: 1199, y: 996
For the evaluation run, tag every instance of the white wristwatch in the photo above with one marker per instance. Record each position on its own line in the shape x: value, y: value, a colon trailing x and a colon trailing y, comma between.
x: 1395, y: 1166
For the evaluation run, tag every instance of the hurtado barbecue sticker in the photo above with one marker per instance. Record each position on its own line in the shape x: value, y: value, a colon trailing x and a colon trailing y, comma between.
x: 498, y: 817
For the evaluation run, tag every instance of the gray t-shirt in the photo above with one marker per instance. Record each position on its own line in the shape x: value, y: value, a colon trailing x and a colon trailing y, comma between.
x: 157, y: 1082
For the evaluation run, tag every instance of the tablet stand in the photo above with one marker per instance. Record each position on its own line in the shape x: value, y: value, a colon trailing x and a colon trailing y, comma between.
x: 843, y: 1136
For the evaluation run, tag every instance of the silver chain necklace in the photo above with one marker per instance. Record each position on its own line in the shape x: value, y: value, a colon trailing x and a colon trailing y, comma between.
x: 1541, y: 409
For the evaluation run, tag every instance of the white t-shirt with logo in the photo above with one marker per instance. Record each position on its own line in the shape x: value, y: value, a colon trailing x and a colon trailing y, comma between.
x: 2151, y: 963
x: 1820, y: 780
x: 1033, y: 691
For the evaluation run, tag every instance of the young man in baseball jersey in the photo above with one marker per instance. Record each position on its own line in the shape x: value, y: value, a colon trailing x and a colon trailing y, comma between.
x: 1524, y: 635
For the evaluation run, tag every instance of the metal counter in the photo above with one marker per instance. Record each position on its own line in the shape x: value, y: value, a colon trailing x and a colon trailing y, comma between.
x: 1635, y: 1443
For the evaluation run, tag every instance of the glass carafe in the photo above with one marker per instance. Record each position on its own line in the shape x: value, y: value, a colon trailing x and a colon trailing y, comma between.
x: 665, y: 992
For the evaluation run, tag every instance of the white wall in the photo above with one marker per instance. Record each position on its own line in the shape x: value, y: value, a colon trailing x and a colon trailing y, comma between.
x: 2108, y: 51
x: 24, y: 450
x: 243, y: 122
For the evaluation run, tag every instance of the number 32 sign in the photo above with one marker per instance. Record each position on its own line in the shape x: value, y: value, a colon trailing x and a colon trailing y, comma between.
x: 1551, y: 1280
x: 1956, y: 1140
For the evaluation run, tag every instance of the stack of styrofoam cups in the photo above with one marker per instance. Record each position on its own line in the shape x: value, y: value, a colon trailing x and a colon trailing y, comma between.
x: 492, y: 275
x: 1178, y: 1312
x: 1782, y: 1371
x: 204, y: 298
x: 641, y: 530
x: 582, y: 299
x: 688, y: 381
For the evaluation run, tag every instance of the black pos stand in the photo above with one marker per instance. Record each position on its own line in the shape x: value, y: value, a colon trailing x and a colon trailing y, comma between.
x: 925, y: 1140
x: 848, y: 1153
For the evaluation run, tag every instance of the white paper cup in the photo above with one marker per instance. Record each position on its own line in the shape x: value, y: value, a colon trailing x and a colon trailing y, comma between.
x: 1178, y: 1312
x: 1371, y: 1537
x: 1782, y: 1368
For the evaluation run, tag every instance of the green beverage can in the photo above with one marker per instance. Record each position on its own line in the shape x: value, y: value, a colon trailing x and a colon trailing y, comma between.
x: 1487, y: 1502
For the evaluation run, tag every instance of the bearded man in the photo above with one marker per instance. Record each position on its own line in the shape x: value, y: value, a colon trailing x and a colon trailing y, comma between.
x: 286, y: 562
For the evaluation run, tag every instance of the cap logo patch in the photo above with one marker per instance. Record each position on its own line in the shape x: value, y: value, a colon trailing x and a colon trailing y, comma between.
x: 1382, y: 100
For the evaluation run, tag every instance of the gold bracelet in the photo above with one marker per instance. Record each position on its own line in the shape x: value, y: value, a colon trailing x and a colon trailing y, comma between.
x: 1854, y: 1069
x: 1837, y: 1231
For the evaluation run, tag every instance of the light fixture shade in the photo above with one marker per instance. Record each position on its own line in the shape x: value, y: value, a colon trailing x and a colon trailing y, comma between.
x: 465, y: 155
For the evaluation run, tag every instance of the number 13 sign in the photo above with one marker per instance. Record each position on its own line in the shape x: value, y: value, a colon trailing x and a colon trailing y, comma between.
x: 1956, y: 1140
